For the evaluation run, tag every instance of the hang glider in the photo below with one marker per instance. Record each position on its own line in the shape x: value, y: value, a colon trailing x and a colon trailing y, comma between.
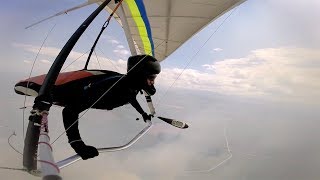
x: 160, y: 27
x: 152, y: 27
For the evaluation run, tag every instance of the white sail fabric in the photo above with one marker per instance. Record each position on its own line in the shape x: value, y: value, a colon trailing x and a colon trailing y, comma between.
x: 159, y: 27
x: 171, y: 22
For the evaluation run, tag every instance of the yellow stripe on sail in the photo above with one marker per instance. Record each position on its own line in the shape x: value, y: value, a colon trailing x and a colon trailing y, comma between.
x: 135, y: 13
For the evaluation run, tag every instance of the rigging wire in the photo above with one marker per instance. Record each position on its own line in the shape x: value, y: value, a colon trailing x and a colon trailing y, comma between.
x: 95, y: 54
x: 33, y: 64
x: 112, y: 63
x: 115, y: 66
x: 10, y: 168
x: 104, y: 26
x: 187, y: 65
x: 75, y: 60
x: 222, y: 162
x: 101, y: 51
x: 192, y: 58
x: 97, y: 59
x: 225, y: 133
x: 13, y: 134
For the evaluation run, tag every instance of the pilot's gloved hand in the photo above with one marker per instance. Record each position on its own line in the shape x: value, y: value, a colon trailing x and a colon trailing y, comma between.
x: 146, y: 116
x: 84, y: 151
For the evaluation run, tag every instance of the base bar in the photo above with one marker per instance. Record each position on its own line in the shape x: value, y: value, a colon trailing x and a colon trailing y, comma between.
x: 70, y: 160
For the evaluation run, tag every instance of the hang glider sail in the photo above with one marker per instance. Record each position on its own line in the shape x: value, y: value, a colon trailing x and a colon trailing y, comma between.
x: 158, y: 28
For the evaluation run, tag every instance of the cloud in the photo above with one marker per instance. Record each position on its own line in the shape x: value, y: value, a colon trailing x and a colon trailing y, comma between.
x: 75, y: 59
x: 208, y: 67
x: 285, y: 73
x: 27, y: 61
x: 45, y: 61
x: 217, y: 49
x: 113, y: 41
x: 120, y: 47
x: 50, y: 51
x: 277, y: 73
x: 121, y: 52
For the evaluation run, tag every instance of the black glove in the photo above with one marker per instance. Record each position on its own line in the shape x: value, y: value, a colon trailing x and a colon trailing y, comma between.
x: 146, y: 116
x: 84, y: 151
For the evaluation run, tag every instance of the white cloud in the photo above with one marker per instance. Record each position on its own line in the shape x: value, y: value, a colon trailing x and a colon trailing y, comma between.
x: 121, y: 52
x: 217, y: 49
x: 273, y: 73
x: 75, y: 59
x: 277, y: 73
x: 113, y: 41
x: 27, y: 61
x: 120, y: 47
x: 50, y: 51
x: 45, y: 61
x: 208, y: 66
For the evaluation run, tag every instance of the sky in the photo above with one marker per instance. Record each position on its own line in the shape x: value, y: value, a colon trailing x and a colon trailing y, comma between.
x: 253, y: 89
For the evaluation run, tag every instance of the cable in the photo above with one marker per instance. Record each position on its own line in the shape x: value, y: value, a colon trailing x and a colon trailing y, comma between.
x: 219, y: 164
x: 25, y: 96
x: 13, y: 134
x: 192, y: 58
x: 97, y: 59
